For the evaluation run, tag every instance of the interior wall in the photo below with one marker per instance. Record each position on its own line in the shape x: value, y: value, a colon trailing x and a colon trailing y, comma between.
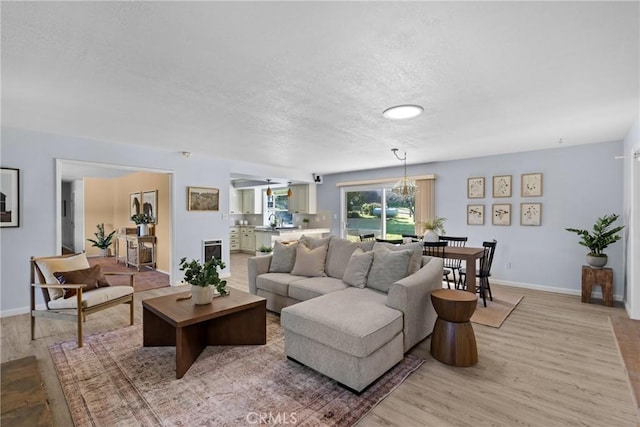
x: 631, y: 215
x: 580, y: 184
x: 99, y: 195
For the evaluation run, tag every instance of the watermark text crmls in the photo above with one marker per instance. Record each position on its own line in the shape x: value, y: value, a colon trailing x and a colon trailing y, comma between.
x: 272, y: 418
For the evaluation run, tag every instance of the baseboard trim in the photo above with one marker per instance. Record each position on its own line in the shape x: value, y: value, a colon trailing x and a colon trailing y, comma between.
x: 597, y: 292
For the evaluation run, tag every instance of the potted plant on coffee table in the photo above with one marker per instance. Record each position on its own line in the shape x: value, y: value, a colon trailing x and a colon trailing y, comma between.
x: 101, y: 241
x: 204, y: 279
x: 599, y: 239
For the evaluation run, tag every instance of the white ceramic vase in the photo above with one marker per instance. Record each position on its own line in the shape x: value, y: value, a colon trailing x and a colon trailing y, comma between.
x: 430, y: 236
x: 143, y: 230
x: 202, y: 294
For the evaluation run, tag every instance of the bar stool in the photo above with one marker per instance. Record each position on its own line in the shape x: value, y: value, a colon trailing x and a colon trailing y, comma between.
x: 453, y: 341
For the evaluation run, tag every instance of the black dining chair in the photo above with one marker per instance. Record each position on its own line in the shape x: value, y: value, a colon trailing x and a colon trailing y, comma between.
x: 436, y: 249
x: 392, y: 241
x: 454, y: 264
x: 484, y: 272
x: 367, y: 237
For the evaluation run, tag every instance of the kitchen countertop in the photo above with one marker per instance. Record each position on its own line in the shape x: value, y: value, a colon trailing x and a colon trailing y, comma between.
x: 288, y: 230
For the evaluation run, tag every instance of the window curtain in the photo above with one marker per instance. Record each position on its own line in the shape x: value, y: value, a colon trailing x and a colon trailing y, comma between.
x: 425, y: 202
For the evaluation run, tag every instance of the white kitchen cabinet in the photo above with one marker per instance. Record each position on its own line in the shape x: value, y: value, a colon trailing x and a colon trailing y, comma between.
x: 252, y: 201
x: 234, y: 239
x: 248, y: 239
x: 304, y: 199
x: 235, y: 201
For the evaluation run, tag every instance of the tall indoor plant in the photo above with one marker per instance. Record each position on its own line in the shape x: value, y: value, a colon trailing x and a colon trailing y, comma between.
x: 101, y: 241
x: 599, y: 239
x: 433, y: 227
x: 203, y: 278
x: 142, y: 220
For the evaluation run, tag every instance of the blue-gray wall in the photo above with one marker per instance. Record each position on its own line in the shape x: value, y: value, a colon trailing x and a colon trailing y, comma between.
x: 580, y: 184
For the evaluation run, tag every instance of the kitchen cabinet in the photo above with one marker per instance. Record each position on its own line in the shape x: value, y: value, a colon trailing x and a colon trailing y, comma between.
x: 252, y: 201
x: 235, y: 201
x: 248, y: 239
x: 234, y: 239
x: 304, y: 199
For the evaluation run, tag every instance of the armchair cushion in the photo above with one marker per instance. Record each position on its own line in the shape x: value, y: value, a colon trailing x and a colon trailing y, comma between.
x: 93, y: 298
x: 92, y: 277
x: 51, y: 265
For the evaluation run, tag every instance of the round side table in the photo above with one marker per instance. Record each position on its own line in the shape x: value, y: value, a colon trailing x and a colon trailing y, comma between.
x: 453, y: 341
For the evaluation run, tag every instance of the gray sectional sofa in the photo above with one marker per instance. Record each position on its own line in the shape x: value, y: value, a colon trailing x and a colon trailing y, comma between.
x: 349, y: 310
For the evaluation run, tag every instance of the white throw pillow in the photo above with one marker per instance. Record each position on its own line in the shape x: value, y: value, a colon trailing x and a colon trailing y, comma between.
x: 310, y: 262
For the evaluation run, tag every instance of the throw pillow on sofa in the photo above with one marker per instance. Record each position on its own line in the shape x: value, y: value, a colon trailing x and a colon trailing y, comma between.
x: 358, y: 268
x: 314, y: 242
x: 284, y: 257
x: 310, y: 262
x: 416, y: 257
x: 387, y: 268
x: 338, y: 255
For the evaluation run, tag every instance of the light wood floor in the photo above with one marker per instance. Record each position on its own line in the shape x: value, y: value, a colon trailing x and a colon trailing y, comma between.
x: 553, y: 362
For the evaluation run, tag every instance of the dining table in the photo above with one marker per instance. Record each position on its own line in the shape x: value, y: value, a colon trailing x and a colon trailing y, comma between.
x: 470, y: 255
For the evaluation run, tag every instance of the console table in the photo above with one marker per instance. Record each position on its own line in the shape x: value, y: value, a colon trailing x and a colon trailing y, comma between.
x: 140, y: 251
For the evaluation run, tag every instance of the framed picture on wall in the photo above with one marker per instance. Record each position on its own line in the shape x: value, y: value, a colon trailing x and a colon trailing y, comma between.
x: 10, y: 197
x: 530, y: 213
x: 135, y: 204
x: 203, y: 199
x: 531, y: 185
x: 475, y: 188
x: 150, y: 204
x: 501, y: 214
x: 475, y: 214
x: 502, y: 186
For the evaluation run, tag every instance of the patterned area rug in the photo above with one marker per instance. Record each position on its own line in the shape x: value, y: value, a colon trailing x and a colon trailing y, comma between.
x: 144, y: 279
x: 113, y: 380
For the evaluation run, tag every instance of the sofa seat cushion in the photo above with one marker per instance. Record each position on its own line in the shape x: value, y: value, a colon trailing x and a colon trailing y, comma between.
x: 92, y: 298
x: 355, y: 321
x: 312, y: 287
x: 277, y: 283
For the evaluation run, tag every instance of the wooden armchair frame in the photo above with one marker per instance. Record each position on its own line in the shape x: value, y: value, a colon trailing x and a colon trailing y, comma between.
x: 78, y: 314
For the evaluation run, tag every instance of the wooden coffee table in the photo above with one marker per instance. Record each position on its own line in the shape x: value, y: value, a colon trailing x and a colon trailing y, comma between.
x: 235, y: 319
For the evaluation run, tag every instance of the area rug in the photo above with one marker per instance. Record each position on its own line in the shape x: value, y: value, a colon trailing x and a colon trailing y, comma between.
x: 144, y: 279
x: 627, y: 335
x: 496, y: 311
x: 24, y: 398
x: 113, y: 380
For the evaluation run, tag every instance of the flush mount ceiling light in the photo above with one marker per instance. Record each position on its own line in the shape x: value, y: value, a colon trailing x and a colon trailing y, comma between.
x: 269, y: 192
x: 405, y: 187
x: 402, y: 112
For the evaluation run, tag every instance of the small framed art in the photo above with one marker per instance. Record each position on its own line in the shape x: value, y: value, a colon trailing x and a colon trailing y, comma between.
x: 502, y: 186
x: 530, y: 213
x: 531, y: 185
x: 203, y: 199
x: 501, y: 214
x: 150, y: 204
x: 475, y: 188
x: 475, y: 214
x: 135, y: 204
x: 10, y: 197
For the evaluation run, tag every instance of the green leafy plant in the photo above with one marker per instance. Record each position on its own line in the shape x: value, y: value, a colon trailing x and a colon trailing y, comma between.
x: 265, y: 249
x: 198, y: 274
x: 601, y: 236
x: 142, y: 218
x: 305, y: 220
x: 101, y: 241
x: 436, y: 224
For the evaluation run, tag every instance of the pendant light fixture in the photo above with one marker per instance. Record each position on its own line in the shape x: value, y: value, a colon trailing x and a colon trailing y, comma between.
x: 269, y: 192
x: 403, y: 188
x: 289, y: 191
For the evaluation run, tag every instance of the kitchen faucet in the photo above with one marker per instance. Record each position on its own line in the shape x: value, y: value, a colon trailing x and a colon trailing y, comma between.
x: 273, y: 222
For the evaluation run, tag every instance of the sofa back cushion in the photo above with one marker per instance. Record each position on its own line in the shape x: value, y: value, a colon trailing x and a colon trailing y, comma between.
x: 284, y: 257
x: 310, y: 262
x: 387, y: 268
x: 339, y: 253
x: 416, y: 248
x: 314, y: 242
x: 358, y: 268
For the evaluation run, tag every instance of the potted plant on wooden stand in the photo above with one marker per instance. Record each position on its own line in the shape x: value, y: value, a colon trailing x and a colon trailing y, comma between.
x: 204, y: 279
x: 101, y: 241
x: 433, y: 227
x: 142, y: 220
x: 599, y: 239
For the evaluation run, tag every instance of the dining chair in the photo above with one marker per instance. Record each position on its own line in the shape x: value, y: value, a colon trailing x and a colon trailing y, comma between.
x: 454, y: 264
x: 410, y: 238
x: 367, y: 237
x: 392, y: 241
x: 484, y: 272
x: 436, y: 249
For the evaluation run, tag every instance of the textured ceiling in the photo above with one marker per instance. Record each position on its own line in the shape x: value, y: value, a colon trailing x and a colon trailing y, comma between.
x: 304, y: 84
